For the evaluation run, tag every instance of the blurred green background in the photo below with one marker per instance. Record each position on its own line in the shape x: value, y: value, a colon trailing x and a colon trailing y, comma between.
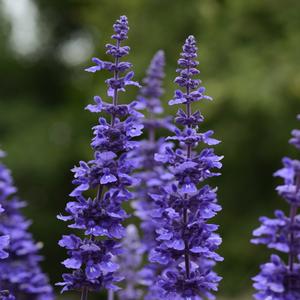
x: 250, y: 62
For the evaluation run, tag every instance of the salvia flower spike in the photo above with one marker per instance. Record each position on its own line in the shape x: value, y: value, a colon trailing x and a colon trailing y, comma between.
x: 130, y: 261
x: 152, y: 89
x: 279, y: 279
x: 4, y: 244
x: 151, y: 174
x: 4, y: 239
x: 20, y: 271
x: 186, y: 243
x: 92, y: 257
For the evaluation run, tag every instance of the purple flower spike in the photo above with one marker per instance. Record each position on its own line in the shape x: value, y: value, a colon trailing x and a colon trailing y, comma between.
x: 185, y: 243
x: 4, y: 243
x: 150, y: 174
x: 92, y: 258
x: 152, y: 90
x: 130, y: 262
x: 20, y: 271
x: 278, y: 279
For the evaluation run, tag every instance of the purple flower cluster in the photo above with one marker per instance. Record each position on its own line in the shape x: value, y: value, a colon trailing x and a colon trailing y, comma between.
x: 4, y: 241
x: 130, y: 261
x: 20, y: 272
x: 151, y: 175
x: 5, y: 295
x: 152, y: 90
x: 92, y: 258
x: 185, y: 242
x: 277, y: 279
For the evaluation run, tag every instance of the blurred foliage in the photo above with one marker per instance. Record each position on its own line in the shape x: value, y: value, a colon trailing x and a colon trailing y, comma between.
x: 249, y: 53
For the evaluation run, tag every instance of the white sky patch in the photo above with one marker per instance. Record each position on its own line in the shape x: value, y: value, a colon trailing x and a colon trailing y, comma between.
x: 23, y: 16
x: 77, y: 49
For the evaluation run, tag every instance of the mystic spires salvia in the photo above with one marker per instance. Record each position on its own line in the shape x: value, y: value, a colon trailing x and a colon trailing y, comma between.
x: 20, y: 273
x: 4, y: 244
x: 151, y: 174
x: 280, y: 278
x: 107, y: 176
x: 186, y: 243
x: 4, y: 241
x: 130, y: 262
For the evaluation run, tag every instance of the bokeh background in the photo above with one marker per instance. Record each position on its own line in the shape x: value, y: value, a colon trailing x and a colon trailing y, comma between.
x: 250, y: 62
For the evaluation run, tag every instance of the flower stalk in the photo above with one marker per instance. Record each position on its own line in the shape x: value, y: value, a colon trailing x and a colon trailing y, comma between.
x: 150, y: 174
x: 279, y: 279
x: 92, y: 258
x: 21, y: 275
x: 186, y: 243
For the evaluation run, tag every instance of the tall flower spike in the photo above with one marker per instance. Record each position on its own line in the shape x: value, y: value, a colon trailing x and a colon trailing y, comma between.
x: 4, y: 243
x: 20, y: 271
x: 152, y: 90
x: 186, y: 243
x: 4, y: 239
x: 278, y: 279
x: 130, y: 261
x: 92, y: 258
x: 150, y: 174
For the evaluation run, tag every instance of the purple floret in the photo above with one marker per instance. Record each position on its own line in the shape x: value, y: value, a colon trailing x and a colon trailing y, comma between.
x: 4, y: 241
x: 295, y: 140
x: 201, y: 282
x: 6, y: 295
x: 277, y: 281
x: 101, y: 184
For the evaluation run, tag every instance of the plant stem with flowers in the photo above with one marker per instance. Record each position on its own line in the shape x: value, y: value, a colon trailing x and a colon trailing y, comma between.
x: 186, y: 243
x: 21, y: 275
x: 151, y: 175
x: 92, y: 258
x: 278, y: 279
